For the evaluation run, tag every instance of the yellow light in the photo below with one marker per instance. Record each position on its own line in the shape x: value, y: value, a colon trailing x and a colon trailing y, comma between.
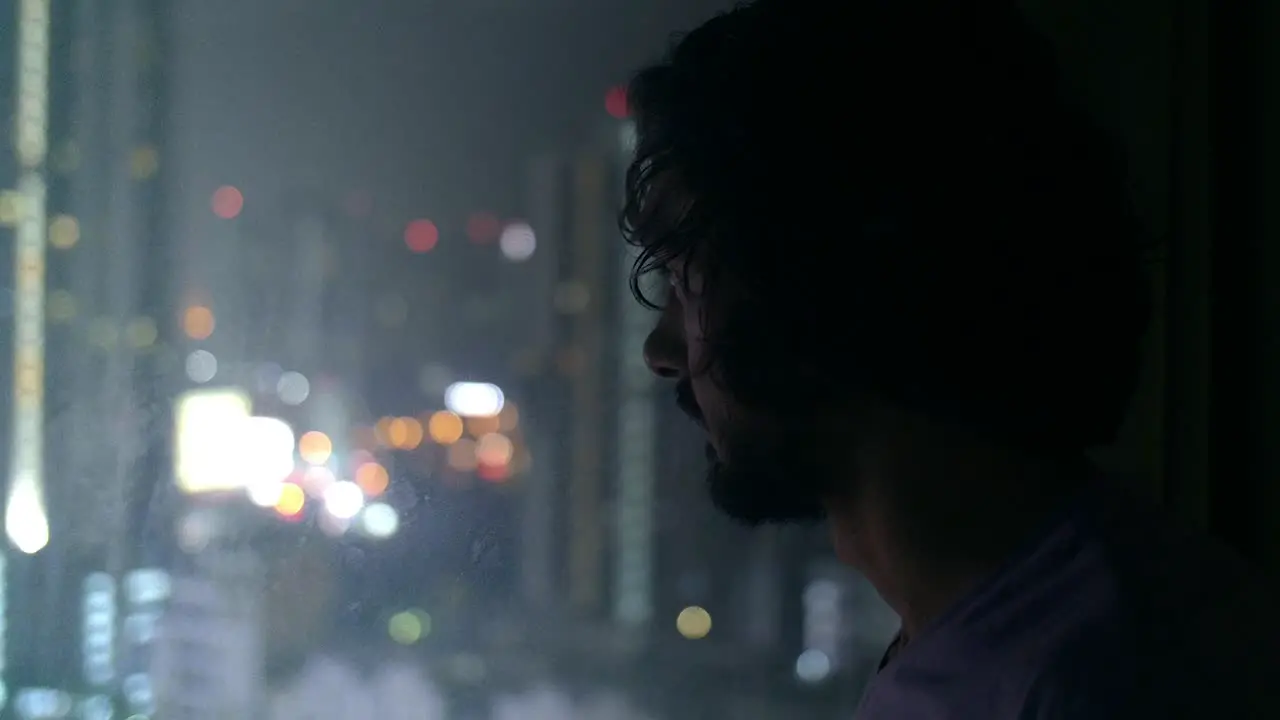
x: 144, y: 163
x: 494, y: 449
x: 142, y: 332
x: 372, y: 479
x: 693, y: 623
x: 382, y: 431
x: 30, y: 276
x: 64, y: 232
x: 198, y: 322
x: 315, y: 447
x: 11, y: 204
x: 292, y: 500
x: 29, y: 378
x: 445, y: 427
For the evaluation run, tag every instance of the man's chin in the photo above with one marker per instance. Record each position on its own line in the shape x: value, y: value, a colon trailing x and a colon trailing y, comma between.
x: 753, y: 495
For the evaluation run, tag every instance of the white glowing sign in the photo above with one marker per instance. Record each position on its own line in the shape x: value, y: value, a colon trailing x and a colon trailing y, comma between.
x: 472, y: 399
x: 99, y: 629
x: 210, y: 429
x: 25, y: 517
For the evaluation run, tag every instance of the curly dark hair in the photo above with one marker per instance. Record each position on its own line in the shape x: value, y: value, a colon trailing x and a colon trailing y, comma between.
x: 898, y: 198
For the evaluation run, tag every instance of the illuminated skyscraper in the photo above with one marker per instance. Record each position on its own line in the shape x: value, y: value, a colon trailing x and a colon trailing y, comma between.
x: 588, y: 540
x: 87, y: 427
x: 568, y: 488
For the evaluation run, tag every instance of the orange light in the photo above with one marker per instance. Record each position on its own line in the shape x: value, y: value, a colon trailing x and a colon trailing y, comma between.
x: 372, y: 479
x: 315, y: 447
x: 494, y: 449
x: 445, y: 427
x: 292, y: 500
x: 228, y: 202
x: 404, y: 433
x: 198, y: 322
x: 397, y: 433
x: 483, y: 425
x: 421, y: 236
x: 382, y: 431
x: 415, y: 433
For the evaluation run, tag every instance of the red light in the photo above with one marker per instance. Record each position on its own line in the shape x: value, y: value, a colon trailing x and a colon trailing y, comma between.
x: 493, y: 473
x: 615, y: 102
x: 227, y: 202
x: 483, y: 228
x: 421, y: 236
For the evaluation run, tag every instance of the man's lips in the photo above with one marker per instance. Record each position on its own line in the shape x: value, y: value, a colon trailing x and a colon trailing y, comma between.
x: 687, y: 403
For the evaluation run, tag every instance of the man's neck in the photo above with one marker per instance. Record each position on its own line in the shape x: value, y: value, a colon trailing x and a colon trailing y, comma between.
x: 926, y: 539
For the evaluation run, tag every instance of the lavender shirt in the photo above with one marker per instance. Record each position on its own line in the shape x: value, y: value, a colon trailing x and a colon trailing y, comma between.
x: 1112, y: 612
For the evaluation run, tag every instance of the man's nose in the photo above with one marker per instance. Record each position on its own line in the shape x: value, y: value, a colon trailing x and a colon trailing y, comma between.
x: 664, y: 350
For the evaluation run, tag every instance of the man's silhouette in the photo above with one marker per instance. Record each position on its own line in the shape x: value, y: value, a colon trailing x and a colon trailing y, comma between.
x: 906, y: 293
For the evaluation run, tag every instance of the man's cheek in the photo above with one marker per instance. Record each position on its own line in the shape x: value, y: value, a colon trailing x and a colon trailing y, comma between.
x: 692, y: 330
x: 698, y: 354
x: 695, y: 330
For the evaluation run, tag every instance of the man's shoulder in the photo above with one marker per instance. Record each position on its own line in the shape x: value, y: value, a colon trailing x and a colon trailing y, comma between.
x: 1186, y: 628
x: 1116, y: 614
x: 1101, y: 671
x: 1136, y: 673
x: 1174, y: 576
x: 1192, y: 632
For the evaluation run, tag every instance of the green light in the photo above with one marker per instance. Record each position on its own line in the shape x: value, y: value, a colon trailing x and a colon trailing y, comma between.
x: 409, y: 626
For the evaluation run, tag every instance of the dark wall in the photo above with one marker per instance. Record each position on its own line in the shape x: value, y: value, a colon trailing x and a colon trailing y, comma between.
x: 1118, y: 58
x: 1189, y: 90
x: 1244, y: 492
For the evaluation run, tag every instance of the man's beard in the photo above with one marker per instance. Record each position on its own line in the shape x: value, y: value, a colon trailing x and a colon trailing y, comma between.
x: 771, y: 475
